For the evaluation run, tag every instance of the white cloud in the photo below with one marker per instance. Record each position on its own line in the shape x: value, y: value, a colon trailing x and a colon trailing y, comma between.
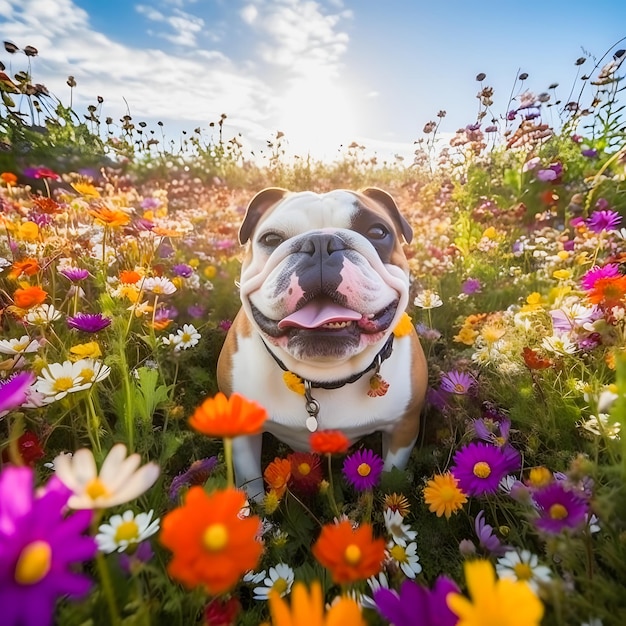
x: 249, y: 13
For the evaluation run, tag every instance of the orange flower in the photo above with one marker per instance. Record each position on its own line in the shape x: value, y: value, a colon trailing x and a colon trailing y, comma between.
x: 608, y: 292
x: 113, y: 218
x: 25, y: 266
x: 534, y: 361
x: 29, y: 297
x: 277, y: 475
x: 228, y: 417
x: 211, y: 545
x: 47, y: 205
x: 8, y: 178
x: 306, y: 472
x: 329, y: 442
x: 350, y: 554
x: 129, y: 277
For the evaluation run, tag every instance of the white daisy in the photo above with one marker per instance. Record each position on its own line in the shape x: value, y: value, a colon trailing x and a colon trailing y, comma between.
x: 58, y: 379
x: 400, y: 533
x: 171, y: 340
x: 159, y: 285
x: 120, y: 479
x: 374, y: 583
x: 126, y: 530
x: 523, y: 565
x: 559, y: 344
x: 42, y: 315
x: 279, y: 578
x: 92, y: 370
x: 19, y: 346
x: 601, y: 425
x: 405, y: 558
x: 188, y: 337
x: 428, y: 299
x: 254, y: 578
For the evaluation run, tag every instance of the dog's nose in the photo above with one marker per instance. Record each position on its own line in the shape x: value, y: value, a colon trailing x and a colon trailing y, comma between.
x: 322, y: 244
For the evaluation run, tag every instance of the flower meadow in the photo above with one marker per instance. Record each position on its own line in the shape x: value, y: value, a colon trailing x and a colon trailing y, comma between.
x: 118, y: 284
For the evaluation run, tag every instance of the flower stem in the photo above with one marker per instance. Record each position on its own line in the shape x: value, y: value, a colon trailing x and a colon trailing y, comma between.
x: 107, y: 587
x: 228, y: 458
x: 331, y: 488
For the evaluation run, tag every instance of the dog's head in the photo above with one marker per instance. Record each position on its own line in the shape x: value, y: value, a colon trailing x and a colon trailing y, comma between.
x: 324, y: 278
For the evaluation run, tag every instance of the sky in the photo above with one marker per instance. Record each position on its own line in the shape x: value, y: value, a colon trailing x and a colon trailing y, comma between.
x: 325, y: 73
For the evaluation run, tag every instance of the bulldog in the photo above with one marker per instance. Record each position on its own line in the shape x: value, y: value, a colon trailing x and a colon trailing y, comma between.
x: 324, y: 283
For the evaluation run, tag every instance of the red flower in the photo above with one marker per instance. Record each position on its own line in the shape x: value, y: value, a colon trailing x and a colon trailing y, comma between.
x: 221, y: 612
x: 534, y: 361
x: 29, y: 449
x: 306, y: 472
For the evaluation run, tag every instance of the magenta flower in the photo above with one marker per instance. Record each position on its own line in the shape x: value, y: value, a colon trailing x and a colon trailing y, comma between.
x: 362, y: 469
x: 13, y: 390
x: 599, y: 221
x: 88, y: 322
x: 416, y: 604
x: 596, y: 273
x: 75, y: 274
x: 39, y: 548
x: 479, y: 468
x: 559, y: 508
x: 457, y: 382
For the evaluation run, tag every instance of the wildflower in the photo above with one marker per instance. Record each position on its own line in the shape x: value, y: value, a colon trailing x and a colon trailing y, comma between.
x: 188, y: 337
x: 222, y: 612
x: 534, y: 361
x: 350, y: 554
x: 59, y: 379
x: 540, y: 477
x: 228, y: 417
x: 212, y: 546
x: 120, y: 479
x: 605, y: 220
x: 277, y: 475
x: 40, y: 547
x: 129, y: 277
x: 28, y: 231
x: 29, y: 297
x: 329, y: 442
x: 23, y: 345
x: 504, y: 602
x: 307, y: 607
x: 471, y: 286
x: 608, y: 292
x: 112, y: 218
x: 487, y: 538
x: 416, y: 604
x: 362, y: 469
x: 479, y: 467
x: 602, y: 426
x: 396, y: 503
x: 42, y: 315
x: 159, y: 285
x: 27, y: 451
x: 559, y: 344
x: 428, y: 299
x: 306, y: 472
x: 89, y: 350
x: 610, y: 270
x: 91, y: 370
x: 126, y: 531
x: 456, y: 382
x: 400, y: 533
x: 559, y: 508
x: 8, y: 178
x: 405, y: 558
x: 404, y: 327
x: 523, y: 565
x: 85, y: 189
x: 13, y: 391
x: 279, y: 579
x: 88, y: 322
x: 443, y: 495
x: 197, y: 474
x: 26, y: 267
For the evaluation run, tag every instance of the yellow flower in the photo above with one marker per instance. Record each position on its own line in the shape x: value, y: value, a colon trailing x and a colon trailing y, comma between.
x: 210, y: 271
x: 294, y: 382
x: 490, y: 233
x: 307, y: 609
x: 467, y: 335
x: 86, y: 189
x: 540, y: 476
x: 89, y: 350
x: 404, y: 326
x: 562, y: 274
x: 494, y: 602
x: 443, y: 495
x: 29, y: 231
x: 533, y: 302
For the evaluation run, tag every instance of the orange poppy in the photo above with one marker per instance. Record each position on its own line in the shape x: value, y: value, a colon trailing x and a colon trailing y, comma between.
x: 277, y: 475
x: 608, y: 292
x: 113, y: 218
x: 29, y: 297
x: 349, y: 554
x: 228, y: 417
x: 129, y: 277
x: 533, y: 361
x: 29, y: 267
x: 329, y: 442
x: 211, y: 545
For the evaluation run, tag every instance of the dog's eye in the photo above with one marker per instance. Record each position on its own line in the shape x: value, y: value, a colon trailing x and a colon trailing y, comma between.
x: 271, y: 239
x: 377, y: 232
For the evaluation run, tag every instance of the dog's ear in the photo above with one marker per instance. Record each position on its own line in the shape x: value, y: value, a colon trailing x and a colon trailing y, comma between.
x: 258, y: 205
x: 382, y: 197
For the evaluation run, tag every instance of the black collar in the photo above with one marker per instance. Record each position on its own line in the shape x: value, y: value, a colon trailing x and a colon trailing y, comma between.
x: 383, y: 355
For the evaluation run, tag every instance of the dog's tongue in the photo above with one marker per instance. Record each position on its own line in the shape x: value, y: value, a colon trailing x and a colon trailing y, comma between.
x: 317, y: 313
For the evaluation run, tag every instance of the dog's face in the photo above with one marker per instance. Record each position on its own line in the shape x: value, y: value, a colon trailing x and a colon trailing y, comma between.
x: 324, y: 278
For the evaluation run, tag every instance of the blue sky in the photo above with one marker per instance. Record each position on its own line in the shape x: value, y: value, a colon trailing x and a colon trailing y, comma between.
x: 324, y: 72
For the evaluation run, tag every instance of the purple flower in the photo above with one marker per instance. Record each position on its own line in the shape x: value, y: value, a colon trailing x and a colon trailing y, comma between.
x: 457, y: 382
x: 75, y: 274
x: 197, y: 474
x: 196, y: 310
x: 88, y: 322
x: 13, y: 390
x: 182, y: 269
x: 546, y: 175
x: 416, y: 604
x: 131, y: 562
x: 479, y: 468
x: 470, y: 286
x: 602, y: 204
x: 430, y: 334
x: 603, y: 220
x: 39, y: 547
x: 487, y: 539
x: 362, y: 469
x: 596, y: 273
x: 559, y: 508
x: 590, y: 153
x: 150, y: 203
